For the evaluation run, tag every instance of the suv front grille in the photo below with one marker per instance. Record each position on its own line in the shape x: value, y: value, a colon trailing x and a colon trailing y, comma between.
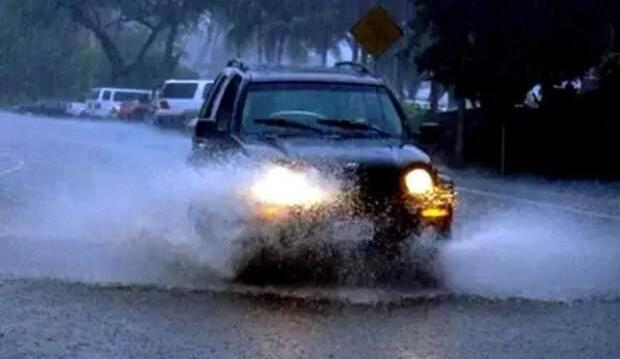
x: 373, y: 189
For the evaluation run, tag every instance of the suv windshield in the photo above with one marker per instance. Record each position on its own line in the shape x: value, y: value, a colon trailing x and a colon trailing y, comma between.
x: 179, y: 90
x: 335, y: 108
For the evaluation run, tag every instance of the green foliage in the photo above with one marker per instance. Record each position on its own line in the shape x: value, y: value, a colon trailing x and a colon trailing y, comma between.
x: 409, y: 108
x: 415, y: 115
x: 48, y: 52
x: 144, y: 25
x: 41, y: 58
x: 291, y: 27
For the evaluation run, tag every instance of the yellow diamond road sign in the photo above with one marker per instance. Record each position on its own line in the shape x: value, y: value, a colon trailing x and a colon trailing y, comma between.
x: 376, y: 31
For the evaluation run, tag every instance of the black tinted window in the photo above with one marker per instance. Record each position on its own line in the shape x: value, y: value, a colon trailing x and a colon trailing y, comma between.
x: 179, y: 90
x: 106, y: 96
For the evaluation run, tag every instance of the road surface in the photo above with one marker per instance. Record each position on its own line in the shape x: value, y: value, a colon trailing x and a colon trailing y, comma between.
x: 98, y: 260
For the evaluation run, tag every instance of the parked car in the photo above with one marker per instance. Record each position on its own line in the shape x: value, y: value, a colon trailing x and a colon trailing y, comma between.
x: 76, y: 108
x: 302, y: 126
x: 136, y: 110
x: 180, y: 101
x: 56, y: 108
x: 106, y: 101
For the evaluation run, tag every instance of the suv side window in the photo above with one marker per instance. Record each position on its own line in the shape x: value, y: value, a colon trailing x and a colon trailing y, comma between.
x: 227, y: 104
x: 106, y: 95
x: 213, y: 94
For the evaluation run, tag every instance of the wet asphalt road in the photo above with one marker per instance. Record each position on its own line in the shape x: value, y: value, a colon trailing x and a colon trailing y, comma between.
x: 93, y: 265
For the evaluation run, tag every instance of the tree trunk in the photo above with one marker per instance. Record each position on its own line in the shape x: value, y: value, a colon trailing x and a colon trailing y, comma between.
x: 280, y: 48
x: 399, y: 77
x: 434, y: 98
x: 205, y: 48
x: 205, y: 55
x: 324, y: 47
x: 363, y: 7
x: 170, y: 61
x: 259, y: 45
x: 611, y: 34
x: 118, y: 67
x: 364, y: 57
x: 355, y: 52
x: 459, y: 141
x: 324, y: 56
x: 269, y: 50
x: 138, y: 61
x: 238, y: 50
x: 110, y: 51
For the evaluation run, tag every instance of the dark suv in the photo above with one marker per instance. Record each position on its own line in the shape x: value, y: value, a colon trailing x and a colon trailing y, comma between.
x: 334, y: 144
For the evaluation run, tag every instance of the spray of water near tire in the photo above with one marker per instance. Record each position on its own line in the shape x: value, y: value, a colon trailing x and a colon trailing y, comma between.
x: 124, y: 218
x: 526, y: 252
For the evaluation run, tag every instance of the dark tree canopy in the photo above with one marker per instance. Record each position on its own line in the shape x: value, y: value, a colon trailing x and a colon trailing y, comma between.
x: 497, y: 50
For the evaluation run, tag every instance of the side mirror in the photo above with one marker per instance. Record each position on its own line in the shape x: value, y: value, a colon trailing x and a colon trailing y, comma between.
x: 205, y: 129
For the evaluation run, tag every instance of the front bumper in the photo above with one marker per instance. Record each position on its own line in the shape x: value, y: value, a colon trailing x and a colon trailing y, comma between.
x: 351, y: 216
x: 436, y: 207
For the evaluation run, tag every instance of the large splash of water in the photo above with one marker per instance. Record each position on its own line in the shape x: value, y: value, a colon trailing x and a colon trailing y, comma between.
x: 526, y: 252
x: 117, y: 211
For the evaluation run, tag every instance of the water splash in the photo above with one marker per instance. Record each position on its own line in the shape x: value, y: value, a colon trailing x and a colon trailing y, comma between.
x: 534, y: 254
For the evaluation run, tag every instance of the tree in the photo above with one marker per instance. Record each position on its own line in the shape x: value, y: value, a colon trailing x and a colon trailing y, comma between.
x: 285, y: 27
x: 42, y: 56
x: 495, y: 51
x: 106, y: 18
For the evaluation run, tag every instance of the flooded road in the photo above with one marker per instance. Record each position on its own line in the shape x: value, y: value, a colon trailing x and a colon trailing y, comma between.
x: 98, y: 259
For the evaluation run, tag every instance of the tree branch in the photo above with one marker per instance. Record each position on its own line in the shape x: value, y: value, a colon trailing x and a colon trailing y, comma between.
x: 118, y: 21
x: 139, y: 59
x: 109, y: 48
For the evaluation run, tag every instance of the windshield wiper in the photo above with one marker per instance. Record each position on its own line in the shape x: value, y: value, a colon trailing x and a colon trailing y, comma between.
x: 287, y: 123
x: 354, y: 125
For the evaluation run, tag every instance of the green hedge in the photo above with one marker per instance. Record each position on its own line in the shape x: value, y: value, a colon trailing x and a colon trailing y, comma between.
x: 415, y: 115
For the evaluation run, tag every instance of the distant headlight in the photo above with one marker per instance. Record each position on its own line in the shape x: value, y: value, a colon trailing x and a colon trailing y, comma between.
x: 281, y: 186
x: 419, y: 182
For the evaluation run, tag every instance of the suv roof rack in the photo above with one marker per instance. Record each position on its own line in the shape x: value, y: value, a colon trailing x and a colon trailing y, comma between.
x: 360, y: 68
x: 236, y: 63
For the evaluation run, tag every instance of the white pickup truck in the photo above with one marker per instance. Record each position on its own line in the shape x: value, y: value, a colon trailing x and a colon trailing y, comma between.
x: 105, y: 102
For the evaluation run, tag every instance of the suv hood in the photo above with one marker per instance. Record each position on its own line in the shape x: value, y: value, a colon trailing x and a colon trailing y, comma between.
x: 393, y: 153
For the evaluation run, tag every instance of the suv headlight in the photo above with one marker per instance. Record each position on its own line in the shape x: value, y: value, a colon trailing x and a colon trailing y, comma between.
x: 282, y: 186
x: 419, y: 182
